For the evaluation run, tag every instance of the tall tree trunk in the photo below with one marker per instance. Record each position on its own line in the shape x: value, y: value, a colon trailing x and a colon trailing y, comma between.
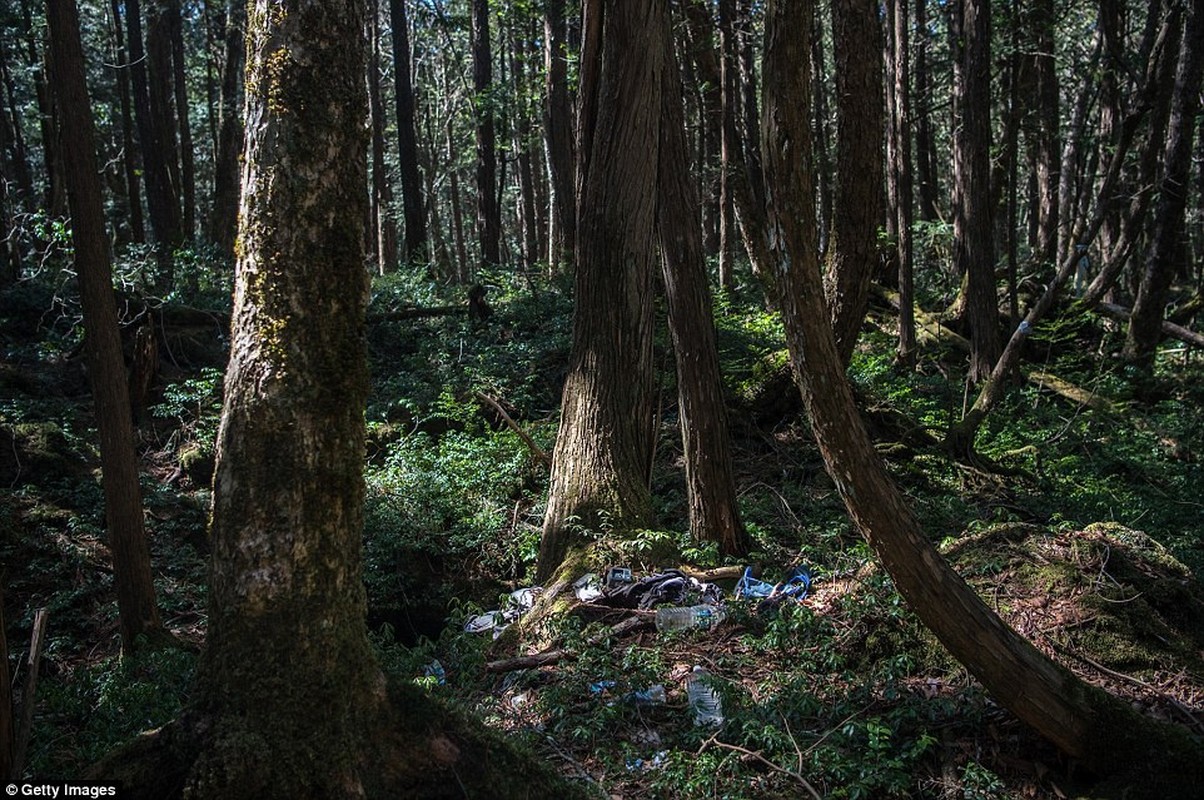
x: 520, y: 56
x: 161, y: 203
x: 489, y: 215
x: 749, y: 113
x: 55, y: 196
x: 710, y: 488
x: 413, y: 204
x: 729, y: 142
x: 1045, y: 131
x: 223, y: 216
x: 382, y: 229
x: 179, y: 80
x: 1081, y: 720
x: 857, y: 207
x: 106, y: 367
x: 928, y: 184
x: 600, y: 464
x: 1145, y: 324
x: 821, y: 133
x: 973, y: 250
x: 285, y: 596
x: 129, y: 154
x: 559, y: 136
x: 899, y: 168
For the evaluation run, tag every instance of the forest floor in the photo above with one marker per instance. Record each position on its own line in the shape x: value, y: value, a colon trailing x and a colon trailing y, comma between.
x: 1089, y: 540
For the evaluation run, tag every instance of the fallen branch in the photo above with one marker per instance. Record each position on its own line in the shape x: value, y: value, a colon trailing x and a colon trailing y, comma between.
x: 757, y: 756
x: 415, y: 313
x: 540, y: 454
x: 1169, y: 328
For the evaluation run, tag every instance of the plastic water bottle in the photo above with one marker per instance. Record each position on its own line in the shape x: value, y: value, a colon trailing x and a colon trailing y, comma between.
x: 704, y: 700
x: 654, y: 695
x: 675, y: 618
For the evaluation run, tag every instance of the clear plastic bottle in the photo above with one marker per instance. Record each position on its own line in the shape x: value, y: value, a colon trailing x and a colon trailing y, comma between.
x: 705, y: 702
x: 652, y: 696
x: 674, y: 618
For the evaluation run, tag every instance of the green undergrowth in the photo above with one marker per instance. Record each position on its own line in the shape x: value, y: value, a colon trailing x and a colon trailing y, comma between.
x: 1090, y: 544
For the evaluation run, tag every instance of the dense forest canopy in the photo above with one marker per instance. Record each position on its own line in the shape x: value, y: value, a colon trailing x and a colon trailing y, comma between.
x: 422, y: 302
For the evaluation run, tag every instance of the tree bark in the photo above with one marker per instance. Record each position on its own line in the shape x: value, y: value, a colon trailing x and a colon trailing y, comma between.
x: 162, y: 206
x: 223, y: 215
x: 383, y: 231
x: 600, y: 463
x: 1145, y: 325
x: 287, y: 631
x: 899, y: 168
x: 928, y: 184
x: 413, y: 203
x: 1081, y: 720
x: 857, y: 206
x: 129, y: 155
x: 973, y: 250
x: 729, y: 139
x: 559, y: 136
x: 714, y: 513
x: 106, y: 367
x: 1043, y: 132
x: 489, y: 215
x: 179, y: 82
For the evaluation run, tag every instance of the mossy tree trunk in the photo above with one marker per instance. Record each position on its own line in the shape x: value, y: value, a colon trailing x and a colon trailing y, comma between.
x: 287, y: 678
x: 223, y: 214
x: 710, y: 487
x: 600, y: 464
x: 1082, y: 721
x: 106, y: 366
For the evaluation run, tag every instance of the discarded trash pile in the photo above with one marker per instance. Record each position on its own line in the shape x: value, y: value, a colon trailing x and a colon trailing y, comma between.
x: 680, y: 602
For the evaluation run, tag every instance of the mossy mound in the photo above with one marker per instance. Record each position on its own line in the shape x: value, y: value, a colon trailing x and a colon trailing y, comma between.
x: 1106, y: 600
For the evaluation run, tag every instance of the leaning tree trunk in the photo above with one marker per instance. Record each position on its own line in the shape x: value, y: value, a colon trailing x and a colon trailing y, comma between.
x: 600, y: 464
x: 106, y: 367
x: 1083, y: 721
x: 710, y: 487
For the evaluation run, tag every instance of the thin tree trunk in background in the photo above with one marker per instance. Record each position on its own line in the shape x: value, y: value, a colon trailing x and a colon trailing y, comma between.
x: 162, y: 208
x: 180, y: 86
x: 974, y: 252
x: 15, y: 155
x: 464, y: 269
x: 1081, y: 720
x: 489, y: 215
x: 1145, y: 324
x: 559, y: 136
x: 749, y: 111
x: 1046, y: 140
x: 929, y: 187
x: 413, y: 204
x: 899, y: 164
x: 223, y: 216
x: 1072, y: 178
x: 129, y: 153
x: 106, y: 371
x: 820, y: 134
x: 852, y: 253
x: 382, y: 229
x: 55, y: 196
x: 520, y: 56
x: 700, y: 32
x: 714, y: 512
x: 162, y: 99
x: 729, y: 140
x: 603, y: 449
